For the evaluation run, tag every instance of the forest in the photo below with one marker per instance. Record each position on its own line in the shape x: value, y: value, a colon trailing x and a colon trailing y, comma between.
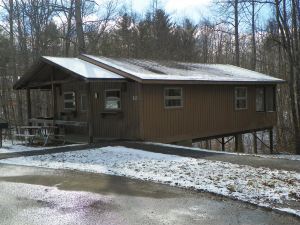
x: 234, y: 34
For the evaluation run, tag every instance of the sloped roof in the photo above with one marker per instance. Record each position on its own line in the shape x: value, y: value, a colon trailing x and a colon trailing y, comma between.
x: 83, y: 68
x: 148, y: 70
x: 89, y: 67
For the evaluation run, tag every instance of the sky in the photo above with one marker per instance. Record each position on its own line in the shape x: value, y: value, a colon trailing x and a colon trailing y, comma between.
x: 193, y: 9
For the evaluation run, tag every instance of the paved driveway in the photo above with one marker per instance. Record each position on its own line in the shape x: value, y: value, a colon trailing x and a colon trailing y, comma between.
x: 30, y: 195
x: 284, y: 164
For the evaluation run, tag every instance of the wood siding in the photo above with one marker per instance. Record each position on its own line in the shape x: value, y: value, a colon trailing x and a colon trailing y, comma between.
x: 122, y: 125
x: 208, y: 110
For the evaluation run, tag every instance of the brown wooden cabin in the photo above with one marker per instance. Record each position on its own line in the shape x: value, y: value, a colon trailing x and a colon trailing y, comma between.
x: 165, y: 101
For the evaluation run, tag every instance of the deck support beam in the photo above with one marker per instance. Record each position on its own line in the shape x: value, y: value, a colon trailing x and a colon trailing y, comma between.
x: 236, y: 143
x: 90, y: 113
x: 223, y: 144
x: 254, y: 142
x: 54, y: 98
x: 28, y: 99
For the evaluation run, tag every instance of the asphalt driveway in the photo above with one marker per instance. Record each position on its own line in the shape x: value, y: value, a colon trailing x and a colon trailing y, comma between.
x: 30, y: 195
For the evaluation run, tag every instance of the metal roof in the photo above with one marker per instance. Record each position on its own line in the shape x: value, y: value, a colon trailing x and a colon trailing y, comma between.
x: 149, y: 70
x: 88, y: 67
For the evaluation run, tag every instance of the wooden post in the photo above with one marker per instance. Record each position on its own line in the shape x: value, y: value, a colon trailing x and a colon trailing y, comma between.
x: 236, y: 142
x: 90, y: 113
x: 28, y: 98
x: 223, y: 144
x: 254, y: 143
x: 54, y: 98
x: 0, y: 137
x: 271, y: 140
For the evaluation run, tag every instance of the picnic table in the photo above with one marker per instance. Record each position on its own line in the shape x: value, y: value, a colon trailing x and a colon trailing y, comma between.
x: 31, y: 133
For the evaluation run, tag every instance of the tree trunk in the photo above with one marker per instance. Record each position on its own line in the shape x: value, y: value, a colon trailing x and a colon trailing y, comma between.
x: 253, y: 58
x: 79, y: 27
x: 69, y: 26
x: 236, y: 33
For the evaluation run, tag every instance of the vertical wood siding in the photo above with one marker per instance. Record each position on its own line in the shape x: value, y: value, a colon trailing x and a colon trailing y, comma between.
x: 124, y: 125
x: 207, y: 110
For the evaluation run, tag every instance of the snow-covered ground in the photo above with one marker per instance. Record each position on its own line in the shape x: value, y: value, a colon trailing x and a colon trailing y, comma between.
x: 261, y: 186
x: 17, y: 146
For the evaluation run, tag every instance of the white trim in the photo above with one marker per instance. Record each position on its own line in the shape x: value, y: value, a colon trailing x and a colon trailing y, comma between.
x: 173, y: 97
x: 105, y: 98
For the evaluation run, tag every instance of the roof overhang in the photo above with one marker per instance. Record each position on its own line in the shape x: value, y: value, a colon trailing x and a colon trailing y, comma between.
x: 30, y: 80
x: 44, y: 73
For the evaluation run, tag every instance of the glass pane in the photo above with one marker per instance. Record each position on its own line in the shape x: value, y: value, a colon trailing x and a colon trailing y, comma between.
x: 270, y: 104
x: 241, y: 104
x: 260, y: 100
x: 173, y: 102
x: 69, y: 105
x: 69, y: 96
x: 240, y: 92
x: 113, y: 93
x: 173, y: 92
x: 112, y: 104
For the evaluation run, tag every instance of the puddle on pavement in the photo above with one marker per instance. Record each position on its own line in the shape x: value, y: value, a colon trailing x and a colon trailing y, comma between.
x: 80, y: 181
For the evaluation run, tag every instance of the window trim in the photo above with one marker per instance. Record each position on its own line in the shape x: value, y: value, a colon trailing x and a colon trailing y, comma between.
x: 68, y: 100
x: 236, y: 98
x: 81, y: 109
x: 105, y: 99
x: 173, y: 97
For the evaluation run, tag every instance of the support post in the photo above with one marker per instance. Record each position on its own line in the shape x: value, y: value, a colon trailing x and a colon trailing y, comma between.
x: 89, y: 113
x: 254, y: 142
x: 236, y: 142
x: 1, y: 138
x: 223, y: 144
x: 28, y: 98
x: 54, y: 98
x: 271, y: 140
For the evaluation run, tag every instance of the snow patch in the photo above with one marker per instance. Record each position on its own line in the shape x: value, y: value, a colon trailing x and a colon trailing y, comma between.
x: 261, y: 186
x: 17, y: 146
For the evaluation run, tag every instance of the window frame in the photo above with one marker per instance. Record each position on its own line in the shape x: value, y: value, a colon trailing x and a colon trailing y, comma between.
x: 264, y: 99
x: 81, y: 108
x: 105, y: 100
x: 68, y: 100
x: 173, y: 97
x: 274, y: 99
x: 236, y: 98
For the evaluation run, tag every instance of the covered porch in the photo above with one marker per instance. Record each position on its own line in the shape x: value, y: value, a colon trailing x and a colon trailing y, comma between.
x: 51, y: 74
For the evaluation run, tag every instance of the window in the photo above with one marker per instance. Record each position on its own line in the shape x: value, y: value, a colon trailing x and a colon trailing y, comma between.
x: 265, y: 99
x: 270, y: 99
x: 83, y: 102
x: 240, y: 98
x: 113, y: 99
x: 69, y: 101
x: 260, y: 99
x: 173, y: 97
